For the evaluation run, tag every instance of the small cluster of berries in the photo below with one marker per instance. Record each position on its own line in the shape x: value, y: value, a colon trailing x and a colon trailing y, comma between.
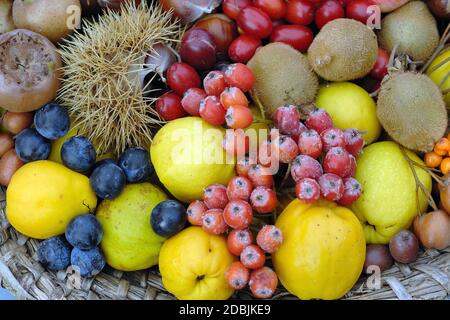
x: 440, y: 156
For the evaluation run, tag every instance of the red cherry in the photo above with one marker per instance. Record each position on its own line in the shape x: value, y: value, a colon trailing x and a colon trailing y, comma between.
x: 169, y: 107
x: 254, y: 22
x: 232, y: 7
x: 181, y: 77
x: 243, y: 48
x: 331, y: 186
x: 214, y: 83
x: 357, y: 10
x: 352, y: 192
x: 328, y: 11
x: 263, y: 200
x: 276, y: 9
x: 239, y: 75
x: 239, y: 188
x: 379, y: 70
x: 300, y: 12
x: 238, y: 214
x: 337, y: 161
x: 305, y: 167
x: 212, y: 111
x: 297, y: 36
x: 215, y: 196
x: 192, y: 99
x: 238, y: 240
x: 310, y: 143
x: 307, y: 190
x: 253, y: 257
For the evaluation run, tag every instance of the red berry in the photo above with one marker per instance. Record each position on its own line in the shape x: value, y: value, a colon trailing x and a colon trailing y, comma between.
x: 169, y: 107
x: 238, y: 214
x: 237, y: 275
x: 263, y: 200
x: 238, y: 240
x: 286, y: 118
x: 307, y: 190
x: 337, y: 161
x: 239, y: 117
x: 269, y: 238
x: 243, y: 48
x: 253, y: 257
x: 328, y: 11
x: 239, y: 75
x: 260, y: 176
x: 357, y: 10
x: 233, y: 96
x: 215, y: 196
x: 232, y: 7
x: 319, y: 120
x: 352, y: 192
x: 354, y: 141
x: 254, y: 22
x: 214, y: 83
x: 351, y: 172
x: 198, y: 49
x: 265, y: 154
x: 263, y: 283
x: 379, y: 70
x: 195, y: 212
x: 213, y: 222
x: 181, y: 77
x: 310, y: 143
x: 300, y: 12
x: 239, y: 188
x: 278, y: 23
x: 297, y: 36
x: 332, y: 137
x: 276, y: 9
x: 284, y: 148
x: 305, y: 167
x: 192, y: 99
x: 212, y: 111
x: 301, y: 128
x: 236, y: 143
x: 331, y: 187
x: 243, y: 165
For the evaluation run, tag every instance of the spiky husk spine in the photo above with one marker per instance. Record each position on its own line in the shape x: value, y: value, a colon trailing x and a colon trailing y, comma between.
x: 101, y: 85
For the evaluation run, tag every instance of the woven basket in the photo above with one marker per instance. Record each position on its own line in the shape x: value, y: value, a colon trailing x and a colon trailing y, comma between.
x: 427, y: 278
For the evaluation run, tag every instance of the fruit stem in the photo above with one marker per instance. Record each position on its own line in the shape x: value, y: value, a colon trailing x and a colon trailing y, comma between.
x: 258, y: 104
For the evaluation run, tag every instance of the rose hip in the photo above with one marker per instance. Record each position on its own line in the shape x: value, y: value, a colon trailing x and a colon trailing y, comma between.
x: 319, y: 120
x: 307, y: 190
x: 238, y: 240
x: 213, y: 222
x: 239, y: 188
x: 269, y: 238
x: 214, y: 83
x: 253, y: 257
x: 263, y: 283
x: 332, y: 137
x: 238, y: 214
x: 195, y: 212
x: 263, y: 200
x: 236, y: 143
x: 169, y: 107
x: 310, y: 143
x: 260, y: 176
x: 181, y: 77
x: 215, y: 196
x: 192, y: 99
x: 352, y: 192
x: 286, y: 118
x: 305, y: 167
x: 233, y: 96
x: 239, y: 75
x: 212, y: 111
x: 237, y: 275
x: 285, y: 149
x: 337, y: 161
x: 239, y: 117
x: 331, y: 187
x: 354, y: 141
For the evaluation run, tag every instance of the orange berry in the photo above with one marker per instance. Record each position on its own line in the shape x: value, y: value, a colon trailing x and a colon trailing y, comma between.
x: 442, y: 146
x: 237, y: 275
x: 445, y: 166
x: 448, y: 136
x: 432, y: 159
x: 232, y: 96
x: 263, y: 283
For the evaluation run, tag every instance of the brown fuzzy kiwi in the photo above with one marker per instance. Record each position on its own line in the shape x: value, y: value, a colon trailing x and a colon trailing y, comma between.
x: 412, y: 111
x: 283, y: 76
x: 413, y: 28
x: 344, y: 49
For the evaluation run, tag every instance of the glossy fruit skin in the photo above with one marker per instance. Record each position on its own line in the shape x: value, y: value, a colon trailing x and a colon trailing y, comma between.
x: 237, y: 275
x: 192, y: 99
x: 358, y: 10
x: 444, y: 193
x: 328, y: 11
x: 263, y: 200
x: 213, y: 222
x: 239, y: 188
x: 215, y: 196
x: 214, y: 83
x: 31, y: 146
x: 232, y: 7
x: 169, y: 107
x: 212, y: 111
x: 90, y: 262
x: 52, y: 121
x: 84, y: 232
x: 239, y: 75
x: 168, y: 218
x: 305, y: 167
x: 307, y: 190
x: 433, y: 229
x: 243, y: 48
x: 108, y: 181
x: 181, y: 77
x: 269, y: 238
x: 379, y: 70
x: 198, y: 49
x: 54, y: 253
x: 300, y: 12
x: 136, y: 164
x: 15, y: 122
x: 253, y: 257
x: 377, y: 255
x: 432, y: 159
x: 78, y: 154
x: 263, y: 283
x: 404, y: 247
x: 297, y: 36
x: 439, y: 8
x: 276, y: 9
x: 254, y: 22
x: 238, y: 214
x: 238, y: 240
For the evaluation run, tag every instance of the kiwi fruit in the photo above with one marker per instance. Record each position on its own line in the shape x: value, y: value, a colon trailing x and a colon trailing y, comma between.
x: 343, y: 50
x: 283, y: 76
x: 411, y: 27
x: 411, y: 109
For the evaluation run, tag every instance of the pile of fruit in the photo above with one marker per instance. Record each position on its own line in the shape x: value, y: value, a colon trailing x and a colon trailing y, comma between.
x: 237, y: 145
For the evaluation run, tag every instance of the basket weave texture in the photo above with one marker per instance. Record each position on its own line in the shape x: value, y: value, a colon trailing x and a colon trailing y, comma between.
x: 427, y: 278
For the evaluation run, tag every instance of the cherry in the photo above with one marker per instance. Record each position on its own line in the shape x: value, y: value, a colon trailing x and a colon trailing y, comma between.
x: 237, y: 275
x: 300, y: 12
x: 253, y: 257
x: 213, y: 222
x: 212, y: 111
x: 357, y: 10
x: 352, y: 192
x: 260, y: 176
x: 310, y: 143
x: 332, y: 137
x: 214, y: 83
x: 269, y: 238
x: 379, y: 70
x: 255, y: 22
x: 354, y: 141
x: 331, y: 186
x: 239, y: 117
x: 307, y: 190
x: 319, y: 120
x: 232, y: 7
x: 233, y: 96
x: 181, y: 77
x: 286, y: 118
x: 328, y: 11
x: 276, y: 9
x: 239, y: 75
x: 239, y: 188
x: 305, y: 167
x: 215, y: 196
x: 192, y: 99
x: 263, y: 200
x: 236, y: 143
x: 237, y: 240
x: 243, y: 48
x: 169, y: 107
x: 337, y: 161
x: 263, y: 283
x: 238, y: 214
x: 297, y: 36
x: 195, y: 212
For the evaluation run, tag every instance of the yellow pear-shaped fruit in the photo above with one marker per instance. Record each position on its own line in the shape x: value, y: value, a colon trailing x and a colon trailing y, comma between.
x: 44, y: 196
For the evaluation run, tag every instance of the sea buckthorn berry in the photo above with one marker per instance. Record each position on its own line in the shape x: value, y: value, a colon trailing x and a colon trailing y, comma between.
x: 432, y: 159
x: 238, y: 240
x: 253, y: 257
x: 445, y: 166
x: 237, y: 275
x: 269, y: 238
x: 442, y: 146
